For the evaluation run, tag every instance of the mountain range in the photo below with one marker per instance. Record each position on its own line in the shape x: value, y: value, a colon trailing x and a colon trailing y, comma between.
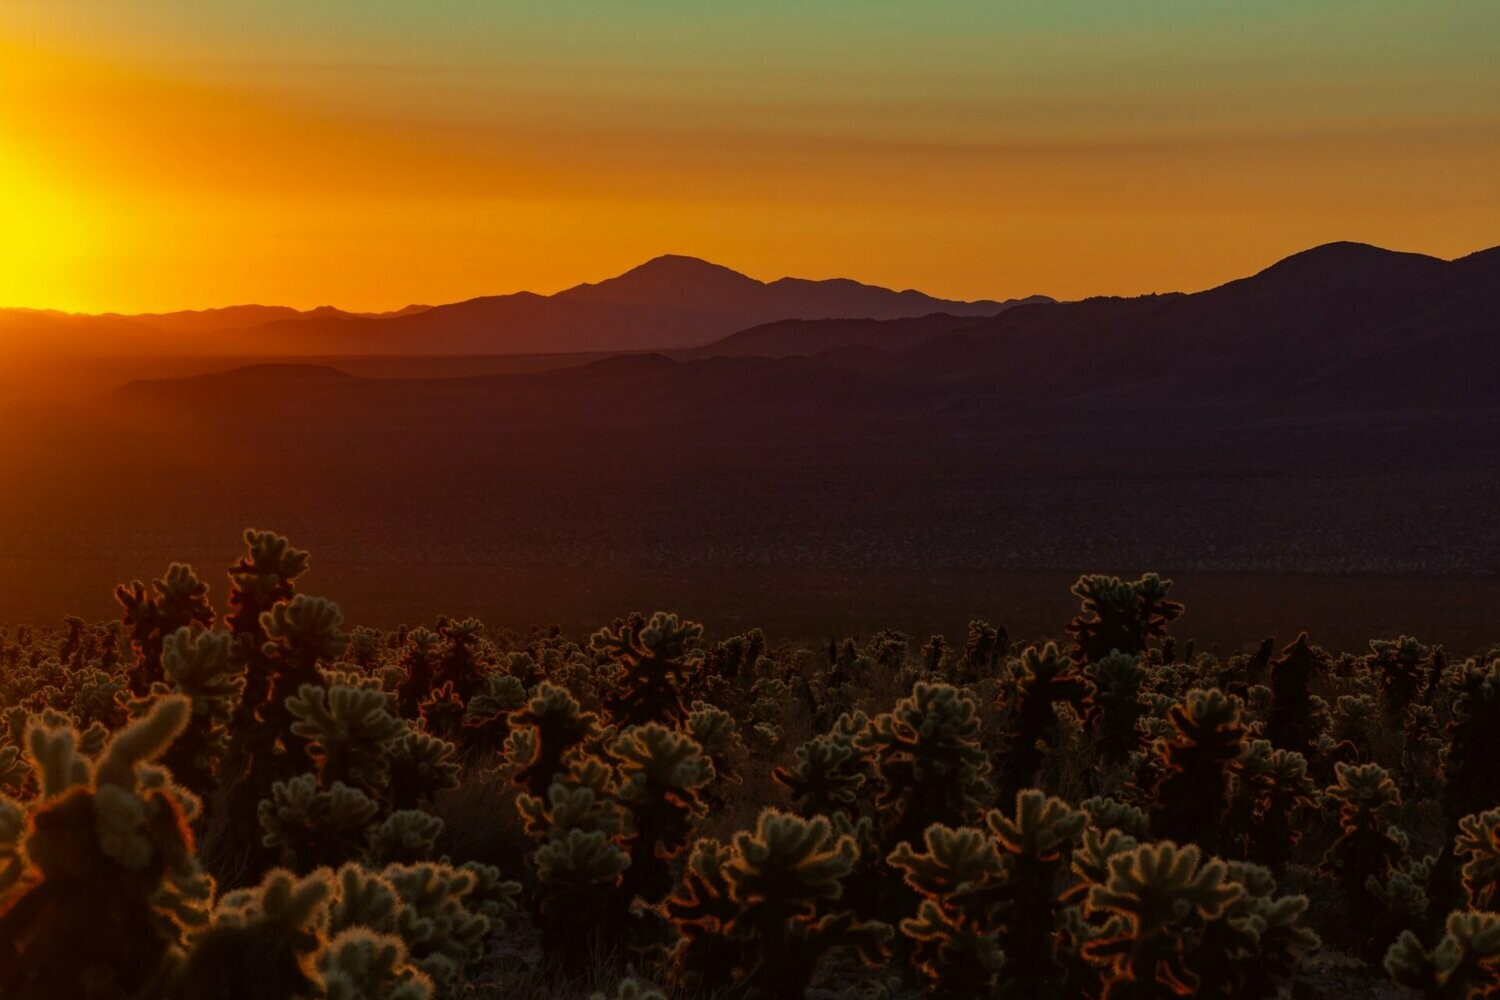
x: 1341, y: 326
x: 668, y: 302
x: 1334, y: 413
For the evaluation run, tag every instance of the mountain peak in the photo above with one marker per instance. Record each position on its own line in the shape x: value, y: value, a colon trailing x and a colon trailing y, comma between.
x: 1345, y: 260
x: 669, y: 277
x: 680, y: 267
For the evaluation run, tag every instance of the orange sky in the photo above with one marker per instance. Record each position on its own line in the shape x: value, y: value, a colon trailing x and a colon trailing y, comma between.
x: 165, y: 154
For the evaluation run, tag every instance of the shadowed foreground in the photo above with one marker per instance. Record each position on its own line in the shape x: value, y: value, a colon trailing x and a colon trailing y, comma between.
x: 253, y: 799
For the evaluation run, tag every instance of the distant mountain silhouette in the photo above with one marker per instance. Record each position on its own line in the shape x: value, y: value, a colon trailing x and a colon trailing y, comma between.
x: 668, y: 302
x: 1341, y: 324
x: 1344, y: 326
x: 1333, y: 413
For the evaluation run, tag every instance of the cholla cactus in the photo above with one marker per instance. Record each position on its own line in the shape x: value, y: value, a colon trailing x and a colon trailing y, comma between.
x: 420, y: 659
x: 780, y: 880
x: 959, y: 877
x: 543, y: 733
x: 418, y: 767
x: 1120, y: 615
x: 580, y: 872
x: 12, y: 853
x: 349, y: 733
x: 14, y: 771
x: 311, y: 826
x: 1367, y: 848
x: 1293, y: 723
x: 176, y: 600
x: 1106, y: 814
x: 986, y: 923
x: 467, y: 659
x: 1465, y: 964
x: 1472, y: 782
x: 656, y: 660
x: 1035, y: 848
x: 826, y: 776
x: 443, y: 933
x: 1401, y: 667
x: 1270, y: 787
x: 1118, y: 679
x: 361, y: 965
x: 661, y: 775
x: 442, y: 711
x: 581, y: 798
x: 1045, y: 680
x: 262, y: 941
x: 1479, y: 842
x: 1198, y: 764
x: 735, y: 657
x: 303, y: 633
x: 1158, y: 898
x: 486, y: 720
x: 439, y: 913
x: 701, y: 910
x: 1253, y: 951
x: 112, y: 886
x: 984, y: 645
x: 201, y: 665
x: 262, y: 578
x: 715, y: 731
x: 406, y: 836
x: 927, y: 759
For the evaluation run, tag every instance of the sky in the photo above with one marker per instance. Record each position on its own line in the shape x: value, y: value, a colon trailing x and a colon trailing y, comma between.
x: 164, y: 154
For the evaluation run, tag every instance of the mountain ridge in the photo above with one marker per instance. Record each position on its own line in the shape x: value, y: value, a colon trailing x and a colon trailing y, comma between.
x: 670, y: 301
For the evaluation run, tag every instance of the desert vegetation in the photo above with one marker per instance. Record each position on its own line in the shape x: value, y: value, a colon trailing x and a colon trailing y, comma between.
x: 249, y: 797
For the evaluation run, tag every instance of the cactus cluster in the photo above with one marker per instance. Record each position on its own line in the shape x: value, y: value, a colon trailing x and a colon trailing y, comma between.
x: 266, y: 802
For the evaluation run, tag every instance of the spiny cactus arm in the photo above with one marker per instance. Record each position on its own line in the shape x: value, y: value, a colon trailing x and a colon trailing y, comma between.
x: 55, y: 759
x: 1105, y: 813
x: 201, y: 665
x: 1465, y: 964
x: 965, y: 958
x: 715, y: 731
x: 350, y: 731
x: 307, y: 628
x: 14, y: 770
x: 1044, y: 828
x: 868, y: 939
x: 493, y: 896
x: 315, y: 825
x: 1152, y: 893
x: 442, y: 932
x: 274, y: 929
x: 143, y: 740
x: 657, y: 763
x: 363, y: 898
x: 359, y: 964
x: 1479, y: 841
x: 702, y: 902
x: 580, y: 857
x: 405, y: 837
x: 420, y: 766
x: 953, y: 858
x: 12, y: 849
x: 785, y: 867
x: 824, y: 775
